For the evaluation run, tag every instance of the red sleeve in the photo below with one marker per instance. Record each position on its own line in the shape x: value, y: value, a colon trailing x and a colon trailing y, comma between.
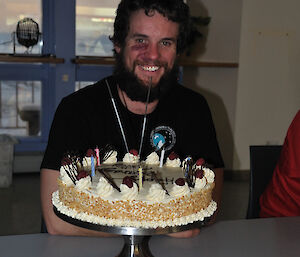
x: 282, y: 195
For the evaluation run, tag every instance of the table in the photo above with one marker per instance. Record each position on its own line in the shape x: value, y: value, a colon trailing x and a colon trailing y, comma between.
x: 258, y: 237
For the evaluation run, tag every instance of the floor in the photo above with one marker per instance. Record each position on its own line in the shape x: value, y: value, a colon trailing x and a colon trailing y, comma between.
x: 21, y: 211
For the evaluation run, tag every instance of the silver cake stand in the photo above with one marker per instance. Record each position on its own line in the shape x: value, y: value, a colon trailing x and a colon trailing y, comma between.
x: 135, y: 239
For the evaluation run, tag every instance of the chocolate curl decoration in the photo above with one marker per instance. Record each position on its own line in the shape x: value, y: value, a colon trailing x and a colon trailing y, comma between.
x: 69, y: 168
x: 189, y: 171
x: 106, y: 152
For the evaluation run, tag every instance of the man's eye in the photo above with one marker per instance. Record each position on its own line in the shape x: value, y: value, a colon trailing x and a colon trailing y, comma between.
x: 140, y: 40
x: 166, y: 43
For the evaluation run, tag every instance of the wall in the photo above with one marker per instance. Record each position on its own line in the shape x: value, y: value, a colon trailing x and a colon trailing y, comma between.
x: 218, y: 84
x: 255, y: 103
x: 268, y: 92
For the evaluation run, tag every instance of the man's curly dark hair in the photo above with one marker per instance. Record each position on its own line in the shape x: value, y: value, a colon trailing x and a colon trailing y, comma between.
x: 174, y: 10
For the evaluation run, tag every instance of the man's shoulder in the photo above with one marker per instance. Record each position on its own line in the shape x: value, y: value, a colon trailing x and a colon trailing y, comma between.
x: 188, y: 94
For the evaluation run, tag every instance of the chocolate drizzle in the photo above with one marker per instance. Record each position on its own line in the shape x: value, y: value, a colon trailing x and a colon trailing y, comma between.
x: 159, y: 181
x: 68, y: 162
x: 109, y: 179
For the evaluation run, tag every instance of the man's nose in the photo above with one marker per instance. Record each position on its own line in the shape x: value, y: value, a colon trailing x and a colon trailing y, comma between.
x: 153, y: 52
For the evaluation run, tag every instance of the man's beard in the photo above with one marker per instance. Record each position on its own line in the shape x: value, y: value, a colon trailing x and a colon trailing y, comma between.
x: 136, y: 89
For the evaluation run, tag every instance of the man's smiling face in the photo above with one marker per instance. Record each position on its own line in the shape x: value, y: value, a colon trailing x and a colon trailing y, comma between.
x: 150, y: 46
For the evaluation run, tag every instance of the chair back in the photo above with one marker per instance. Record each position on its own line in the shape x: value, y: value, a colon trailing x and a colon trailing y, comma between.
x: 263, y: 159
x: 43, y: 226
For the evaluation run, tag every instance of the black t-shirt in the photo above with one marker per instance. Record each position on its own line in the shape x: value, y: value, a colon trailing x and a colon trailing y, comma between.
x: 181, y: 122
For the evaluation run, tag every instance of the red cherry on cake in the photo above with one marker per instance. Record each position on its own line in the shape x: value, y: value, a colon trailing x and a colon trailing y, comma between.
x: 200, y: 162
x: 82, y: 174
x: 134, y: 152
x: 180, y: 182
x: 89, y: 153
x: 199, y: 173
x: 128, y: 181
x: 173, y: 156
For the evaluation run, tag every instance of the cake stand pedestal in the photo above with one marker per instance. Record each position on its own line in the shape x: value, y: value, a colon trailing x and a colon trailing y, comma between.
x: 135, y: 239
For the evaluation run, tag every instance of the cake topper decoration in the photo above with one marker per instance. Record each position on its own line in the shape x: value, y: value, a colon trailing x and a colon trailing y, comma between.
x: 188, y: 169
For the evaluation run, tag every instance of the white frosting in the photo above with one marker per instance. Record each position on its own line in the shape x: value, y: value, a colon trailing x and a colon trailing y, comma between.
x: 83, y: 183
x: 199, y: 216
x: 65, y: 177
x: 209, y: 174
x: 173, y: 163
x: 87, y: 161
x: 104, y: 189
x: 152, y: 159
x: 156, y: 193
x: 130, y: 158
x: 129, y: 193
x: 200, y: 183
x: 178, y: 191
x: 112, y: 158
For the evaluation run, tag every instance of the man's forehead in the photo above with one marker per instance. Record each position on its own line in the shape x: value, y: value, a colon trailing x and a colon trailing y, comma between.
x: 142, y: 23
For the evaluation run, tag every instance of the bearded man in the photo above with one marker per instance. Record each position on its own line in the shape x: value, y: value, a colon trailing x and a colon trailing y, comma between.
x: 140, y: 100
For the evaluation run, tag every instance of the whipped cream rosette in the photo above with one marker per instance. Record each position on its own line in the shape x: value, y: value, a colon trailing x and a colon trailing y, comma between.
x: 104, y: 188
x: 173, y: 160
x: 180, y: 188
x: 152, y: 159
x: 200, y: 179
x: 83, y: 183
x: 156, y: 193
x: 129, y: 189
x: 131, y: 157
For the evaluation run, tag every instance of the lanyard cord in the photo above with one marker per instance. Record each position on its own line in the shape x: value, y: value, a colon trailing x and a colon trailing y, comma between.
x: 145, y: 117
x: 118, y: 117
x: 119, y: 120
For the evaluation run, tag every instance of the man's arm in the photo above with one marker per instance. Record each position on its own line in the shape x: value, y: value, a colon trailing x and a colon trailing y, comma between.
x: 217, y: 194
x: 55, y: 225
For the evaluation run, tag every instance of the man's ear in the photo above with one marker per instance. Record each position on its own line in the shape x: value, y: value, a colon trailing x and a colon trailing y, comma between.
x: 117, y: 48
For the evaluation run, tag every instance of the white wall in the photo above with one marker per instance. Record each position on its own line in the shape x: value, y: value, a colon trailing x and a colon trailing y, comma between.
x: 255, y: 103
x: 268, y: 92
x: 217, y: 84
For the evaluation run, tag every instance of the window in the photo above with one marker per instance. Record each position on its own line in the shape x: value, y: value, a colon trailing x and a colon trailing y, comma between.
x: 11, y: 12
x: 94, y: 25
x: 20, y: 107
x: 31, y: 91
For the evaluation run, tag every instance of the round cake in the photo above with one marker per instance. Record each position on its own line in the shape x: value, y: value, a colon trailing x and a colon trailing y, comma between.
x: 134, y: 193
